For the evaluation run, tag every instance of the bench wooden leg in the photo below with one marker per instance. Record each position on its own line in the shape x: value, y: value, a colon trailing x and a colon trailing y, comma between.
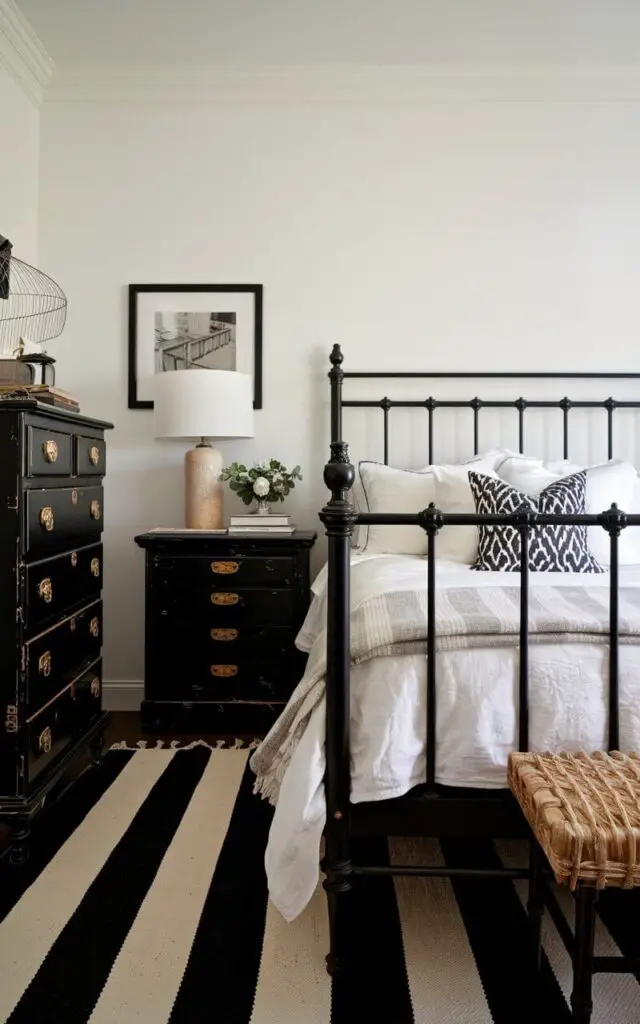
x: 535, y: 902
x: 581, y: 1001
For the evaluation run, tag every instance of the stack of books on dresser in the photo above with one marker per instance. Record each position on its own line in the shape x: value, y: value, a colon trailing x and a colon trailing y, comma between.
x: 254, y: 523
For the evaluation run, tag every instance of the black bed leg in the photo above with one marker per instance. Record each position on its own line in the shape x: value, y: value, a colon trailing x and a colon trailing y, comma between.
x: 337, y: 885
x: 581, y: 1001
x: 535, y: 903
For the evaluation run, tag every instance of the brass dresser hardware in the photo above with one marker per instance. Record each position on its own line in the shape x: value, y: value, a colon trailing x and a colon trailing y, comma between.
x: 46, y: 518
x: 45, y: 590
x: 74, y: 496
x: 224, y: 671
x: 94, y: 454
x: 95, y: 509
x: 44, y: 664
x: 74, y: 558
x: 95, y: 687
x: 224, y: 599
x: 95, y: 566
x: 224, y: 634
x: 50, y: 450
x: 224, y: 568
x: 45, y: 740
x: 94, y: 626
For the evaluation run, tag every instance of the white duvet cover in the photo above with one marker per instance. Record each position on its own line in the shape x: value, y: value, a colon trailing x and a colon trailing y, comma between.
x: 476, y: 713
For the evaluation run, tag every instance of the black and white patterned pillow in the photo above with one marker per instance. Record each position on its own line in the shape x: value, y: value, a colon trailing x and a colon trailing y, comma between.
x: 551, y: 548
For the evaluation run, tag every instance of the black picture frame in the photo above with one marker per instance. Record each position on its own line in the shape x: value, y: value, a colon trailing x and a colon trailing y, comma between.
x: 242, y: 289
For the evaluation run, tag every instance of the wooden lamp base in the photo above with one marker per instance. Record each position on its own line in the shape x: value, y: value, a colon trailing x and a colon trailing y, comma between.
x: 203, y: 492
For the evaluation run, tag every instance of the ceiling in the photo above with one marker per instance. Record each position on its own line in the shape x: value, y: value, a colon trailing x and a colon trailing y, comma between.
x: 125, y: 34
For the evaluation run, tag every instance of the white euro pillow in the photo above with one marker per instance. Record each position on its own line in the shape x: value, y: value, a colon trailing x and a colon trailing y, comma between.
x: 389, y: 489
x: 608, y: 483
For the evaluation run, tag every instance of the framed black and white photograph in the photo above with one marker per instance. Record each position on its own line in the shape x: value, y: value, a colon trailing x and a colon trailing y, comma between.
x: 193, y: 327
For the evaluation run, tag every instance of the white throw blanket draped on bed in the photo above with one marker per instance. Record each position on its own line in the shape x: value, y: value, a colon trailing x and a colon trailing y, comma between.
x: 477, y: 627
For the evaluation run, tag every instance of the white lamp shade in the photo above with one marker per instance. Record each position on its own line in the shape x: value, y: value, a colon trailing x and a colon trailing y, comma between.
x: 203, y: 403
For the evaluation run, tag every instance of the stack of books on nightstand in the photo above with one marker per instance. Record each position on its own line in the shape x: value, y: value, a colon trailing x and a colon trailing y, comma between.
x: 253, y: 523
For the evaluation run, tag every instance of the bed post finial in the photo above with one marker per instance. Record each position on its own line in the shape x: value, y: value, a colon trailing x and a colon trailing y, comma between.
x: 336, y: 376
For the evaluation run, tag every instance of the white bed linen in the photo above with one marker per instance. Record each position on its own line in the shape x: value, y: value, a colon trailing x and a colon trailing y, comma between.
x: 476, y: 713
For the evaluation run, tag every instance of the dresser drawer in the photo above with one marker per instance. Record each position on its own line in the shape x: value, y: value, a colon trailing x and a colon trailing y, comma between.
x: 91, y: 456
x: 55, y: 657
x: 58, y: 723
x: 228, y: 607
x: 225, y: 571
x: 56, y: 584
x: 62, y: 518
x: 190, y: 643
x: 49, y: 453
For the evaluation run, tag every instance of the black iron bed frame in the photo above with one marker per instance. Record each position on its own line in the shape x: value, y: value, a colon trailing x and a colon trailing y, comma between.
x: 430, y: 809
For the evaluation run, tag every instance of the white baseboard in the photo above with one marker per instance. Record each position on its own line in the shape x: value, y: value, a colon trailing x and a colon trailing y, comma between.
x: 122, y: 696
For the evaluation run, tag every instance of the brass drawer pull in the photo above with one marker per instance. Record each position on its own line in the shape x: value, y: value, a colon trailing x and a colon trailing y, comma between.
x: 46, y: 518
x: 224, y: 634
x: 94, y: 626
x: 44, y: 664
x: 74, y: 496
x: 95, y: 566
x: 224, y: 568
x: 225, y: 671
x: 95, y: 687
x: 74, y: 558
x: 95, y: 509
x: 50, y: 450
x: 94, y: 455
x: 225, y: 599
x: 45, y: 740
x: 45, y: 590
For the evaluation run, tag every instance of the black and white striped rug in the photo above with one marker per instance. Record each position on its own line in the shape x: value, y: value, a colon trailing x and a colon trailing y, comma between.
x: 145, y: 902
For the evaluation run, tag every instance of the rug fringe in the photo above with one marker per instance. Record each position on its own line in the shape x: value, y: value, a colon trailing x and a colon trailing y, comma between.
x: 236, y: 744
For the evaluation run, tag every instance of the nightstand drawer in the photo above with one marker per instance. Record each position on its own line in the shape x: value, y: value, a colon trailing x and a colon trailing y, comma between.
x: 62, y: 518
x: 233, y: 608
x: 224, y: 643
x: 59, y: 583
x: 49, y: 452
x: 228, y: 681
x: 225, y: 572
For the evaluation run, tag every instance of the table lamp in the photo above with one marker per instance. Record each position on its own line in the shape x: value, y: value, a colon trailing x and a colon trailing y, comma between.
x: 203, y: 404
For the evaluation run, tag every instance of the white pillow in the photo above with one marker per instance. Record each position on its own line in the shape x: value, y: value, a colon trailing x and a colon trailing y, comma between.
x: 387, y: 489
x: 453, y: 494
x: 382, y: 488
x: 607, y: 483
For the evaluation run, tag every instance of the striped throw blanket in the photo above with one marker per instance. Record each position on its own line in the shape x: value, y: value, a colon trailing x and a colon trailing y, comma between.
x: 395, y: 623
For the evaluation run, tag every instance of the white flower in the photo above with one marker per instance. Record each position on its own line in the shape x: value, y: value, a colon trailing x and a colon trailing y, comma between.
x: 261, y: 487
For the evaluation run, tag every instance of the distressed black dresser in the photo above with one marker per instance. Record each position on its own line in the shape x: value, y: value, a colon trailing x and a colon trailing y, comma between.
x: 51, y: 518
x: 222, y: 614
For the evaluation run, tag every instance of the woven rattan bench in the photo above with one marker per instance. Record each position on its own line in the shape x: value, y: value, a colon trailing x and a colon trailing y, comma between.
x: 584, y: 812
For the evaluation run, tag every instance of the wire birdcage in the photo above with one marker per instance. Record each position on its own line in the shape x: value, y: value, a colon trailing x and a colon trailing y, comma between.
x: 33, y: 308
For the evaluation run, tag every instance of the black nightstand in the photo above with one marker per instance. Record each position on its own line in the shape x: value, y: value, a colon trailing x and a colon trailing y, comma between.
x: 222, y: 614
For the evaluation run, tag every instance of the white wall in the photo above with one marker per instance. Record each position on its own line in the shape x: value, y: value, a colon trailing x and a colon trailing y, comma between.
x: 443, y: 235
x: 19, y: 141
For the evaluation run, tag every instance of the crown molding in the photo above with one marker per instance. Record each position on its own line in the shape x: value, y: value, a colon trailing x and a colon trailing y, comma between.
x: 22, y: 53
x: 361, y: 85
